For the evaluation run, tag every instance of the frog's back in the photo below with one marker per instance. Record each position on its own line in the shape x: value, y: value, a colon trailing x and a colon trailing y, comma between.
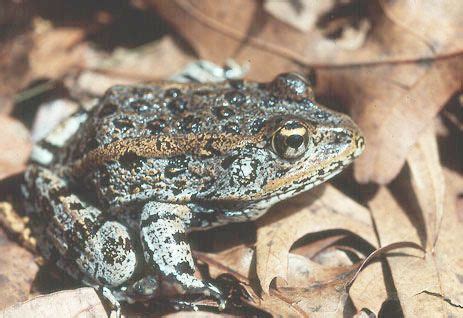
x: 153, y: 111
x: 165, y: 109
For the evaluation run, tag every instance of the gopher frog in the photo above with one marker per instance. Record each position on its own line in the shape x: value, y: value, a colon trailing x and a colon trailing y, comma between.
x: 114, y: 191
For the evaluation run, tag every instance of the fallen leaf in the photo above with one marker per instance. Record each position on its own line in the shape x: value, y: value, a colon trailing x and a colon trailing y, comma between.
x: 245, y: 32
x: 393, y: 125
x: 277, y: 232
x: 56, y: 50
x: 82, y: 302
x: 426, y: 287
x: 417, y: 17
x: 428, y: 183
x: 17, y: 271
x: 15, y: 146
x: 302, y: 15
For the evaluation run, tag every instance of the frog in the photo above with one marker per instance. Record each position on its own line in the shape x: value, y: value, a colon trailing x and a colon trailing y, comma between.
x: 114, y: 191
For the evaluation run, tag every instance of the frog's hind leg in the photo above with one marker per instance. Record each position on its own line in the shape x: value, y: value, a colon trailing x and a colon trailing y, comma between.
x: 84, y: 239
x: 164, y: 239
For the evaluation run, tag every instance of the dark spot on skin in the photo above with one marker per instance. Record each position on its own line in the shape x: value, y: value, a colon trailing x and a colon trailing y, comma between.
x: 191, y: 124
x: 76, y: 206
x: 140, y: 105
x: 257, y: 125
x: 172, y: 93
x: 268, y: 101
x: 107, y: 109
x: 92, y: 144
x: 232, y: 128
x: 228, y: 161
x: 123, y: 124
x: 180, y: 184
x: 126, y: 244
x: 79, y: 234
x: 109, y: 251
x: 56, y: 193
x: 130, y: 160
x: 203, y: 92
x: 134, y: 188
x: 142, y: 92
x: 184, y: 267
x: 179, y: 237
x: 175, y: 191
x: 156, y: 126
x: 235, y: 98
x: 211, y: 149
x: 236, y: 83
x: 104, y: 179
x: 223, y: 112
x: 177, y: 105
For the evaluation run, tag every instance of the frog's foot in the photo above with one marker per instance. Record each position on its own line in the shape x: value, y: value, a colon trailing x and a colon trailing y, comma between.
x: 210, y: 290
x: 166, y: 248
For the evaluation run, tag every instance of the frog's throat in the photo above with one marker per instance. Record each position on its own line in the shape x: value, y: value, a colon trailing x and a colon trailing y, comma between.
x: 202, y: 145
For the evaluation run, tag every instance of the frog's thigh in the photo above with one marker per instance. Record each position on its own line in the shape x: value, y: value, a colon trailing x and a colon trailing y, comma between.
x: 103, y: 250
x: 165, y: 243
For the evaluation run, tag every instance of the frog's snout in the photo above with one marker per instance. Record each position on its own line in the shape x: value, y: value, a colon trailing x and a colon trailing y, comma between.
x: 357, y: 141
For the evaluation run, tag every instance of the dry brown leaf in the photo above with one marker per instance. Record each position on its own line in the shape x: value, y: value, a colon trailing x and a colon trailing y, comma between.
x: 236, y: 261
x: 393, y: 124
x: 56, y: 50
x: 156, y: 60
x: 17, y: 271
x: 428, y: 183
x: 314, y: 289
x: 14, y: 72
x: 369, y: 289
x: 277, y: 232
x: 311, y: 287
x: 15, y: 146
x: 427, y: 287
x: 82, y: 302
x: 419, y: 18
x: 242, y: 30
x: 302, y: 15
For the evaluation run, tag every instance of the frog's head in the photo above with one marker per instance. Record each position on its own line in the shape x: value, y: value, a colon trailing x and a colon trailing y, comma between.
x: 300, y: 145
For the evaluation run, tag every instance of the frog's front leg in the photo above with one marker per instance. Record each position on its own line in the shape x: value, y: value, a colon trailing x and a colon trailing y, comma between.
x: 165, y: 244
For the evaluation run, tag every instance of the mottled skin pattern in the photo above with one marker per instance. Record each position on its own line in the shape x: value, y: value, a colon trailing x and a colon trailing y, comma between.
x: 117, y: 189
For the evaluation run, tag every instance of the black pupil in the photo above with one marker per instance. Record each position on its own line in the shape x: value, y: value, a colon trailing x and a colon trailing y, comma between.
x: 294, y: 141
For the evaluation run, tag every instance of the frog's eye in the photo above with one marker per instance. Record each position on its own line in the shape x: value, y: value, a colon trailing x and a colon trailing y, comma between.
x: 291, y: 140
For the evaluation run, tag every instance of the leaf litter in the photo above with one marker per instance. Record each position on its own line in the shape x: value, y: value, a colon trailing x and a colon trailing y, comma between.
x: 342, y: 249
